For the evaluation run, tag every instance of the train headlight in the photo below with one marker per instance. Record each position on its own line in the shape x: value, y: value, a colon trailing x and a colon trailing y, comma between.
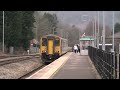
x: 44, y: 51
x: 56, y: 51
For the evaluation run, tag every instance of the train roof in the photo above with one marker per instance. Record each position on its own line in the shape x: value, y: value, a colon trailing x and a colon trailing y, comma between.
x: 56, y: 36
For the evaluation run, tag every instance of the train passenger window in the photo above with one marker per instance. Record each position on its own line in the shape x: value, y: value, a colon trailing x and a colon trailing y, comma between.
x: 44, y: 41
x: 57, y: 42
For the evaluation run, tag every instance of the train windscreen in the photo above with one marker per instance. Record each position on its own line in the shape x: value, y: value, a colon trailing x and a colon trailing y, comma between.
x: 57, y: 42
x: 44, y: 41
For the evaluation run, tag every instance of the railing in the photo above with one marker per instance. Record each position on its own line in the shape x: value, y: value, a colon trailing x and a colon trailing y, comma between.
x: 106, y: 63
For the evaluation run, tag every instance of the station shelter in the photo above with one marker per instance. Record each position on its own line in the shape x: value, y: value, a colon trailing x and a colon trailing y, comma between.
x: 85, y: 42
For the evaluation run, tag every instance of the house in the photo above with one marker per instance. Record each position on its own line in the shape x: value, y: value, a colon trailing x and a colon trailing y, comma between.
x: 34, y: 46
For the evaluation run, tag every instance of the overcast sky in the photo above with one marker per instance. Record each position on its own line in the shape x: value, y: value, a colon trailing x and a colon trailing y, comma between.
x: 75, y: 17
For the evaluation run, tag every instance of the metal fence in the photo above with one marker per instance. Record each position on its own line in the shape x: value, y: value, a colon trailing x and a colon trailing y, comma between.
x: 106, y: 63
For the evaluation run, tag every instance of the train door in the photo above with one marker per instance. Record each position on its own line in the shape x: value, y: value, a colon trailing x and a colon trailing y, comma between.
x: 50, y: 46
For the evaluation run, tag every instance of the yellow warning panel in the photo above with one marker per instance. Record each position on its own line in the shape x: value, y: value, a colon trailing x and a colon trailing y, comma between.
x: 50, y: 46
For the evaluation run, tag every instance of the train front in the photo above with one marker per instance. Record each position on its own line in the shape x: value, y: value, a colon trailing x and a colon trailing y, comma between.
x: 50, y: 48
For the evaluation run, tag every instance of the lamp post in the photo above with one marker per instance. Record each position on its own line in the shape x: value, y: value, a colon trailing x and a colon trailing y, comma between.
x: 61, y: 32
x: 98, y: 32
x: 53, y: 30
x: 113, y: 47
x: 103, y: 46
x: 36, y: 40
x: 84, y: 19
x: 93, y: 33
x: 95, y: 29
x: 3, y: 32
x: 113, y: 31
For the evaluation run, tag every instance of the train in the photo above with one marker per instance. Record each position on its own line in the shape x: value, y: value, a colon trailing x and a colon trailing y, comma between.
x: 52, y: 47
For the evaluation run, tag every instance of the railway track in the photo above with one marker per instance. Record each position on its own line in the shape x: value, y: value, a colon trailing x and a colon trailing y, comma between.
x: 9, y: 60
x: 9, y: 56
x: 32, y: 72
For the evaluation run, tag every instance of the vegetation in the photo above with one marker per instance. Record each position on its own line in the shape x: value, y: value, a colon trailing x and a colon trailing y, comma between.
x: 89, y: 29
x: 117, y: 27
x: 69, y: 32
x: 18, y: 28
x: 45, y: 24
x: 23, y: 26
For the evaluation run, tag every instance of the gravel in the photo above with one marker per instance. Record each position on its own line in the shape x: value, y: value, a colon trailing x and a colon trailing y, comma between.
x: 18, y: 69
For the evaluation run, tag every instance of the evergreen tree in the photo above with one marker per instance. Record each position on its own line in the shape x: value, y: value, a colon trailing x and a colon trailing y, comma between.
x: 18, y: 28
x: 117, y: 27
x: 12, y: 28
x: 27, y: 26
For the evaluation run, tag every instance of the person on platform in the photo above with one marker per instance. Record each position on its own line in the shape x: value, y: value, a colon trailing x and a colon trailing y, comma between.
x: 75, y: 48
x: 78, y: 46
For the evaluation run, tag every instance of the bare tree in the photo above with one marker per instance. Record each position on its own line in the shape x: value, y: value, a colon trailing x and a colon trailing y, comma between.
x: 89, y: 29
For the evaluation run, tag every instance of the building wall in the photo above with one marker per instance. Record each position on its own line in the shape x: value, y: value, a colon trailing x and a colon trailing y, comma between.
x: 116, y: 43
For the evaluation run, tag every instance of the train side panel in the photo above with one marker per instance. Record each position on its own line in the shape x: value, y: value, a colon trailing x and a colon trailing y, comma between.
x: 64, y: 46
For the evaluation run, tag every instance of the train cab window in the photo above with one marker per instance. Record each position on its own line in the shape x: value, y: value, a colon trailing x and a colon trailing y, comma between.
x: 44, y: 41
x: 57, y: 42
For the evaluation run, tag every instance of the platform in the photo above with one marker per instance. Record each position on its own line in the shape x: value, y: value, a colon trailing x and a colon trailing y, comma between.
x: 76, y: 67
x: 69, y: 66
